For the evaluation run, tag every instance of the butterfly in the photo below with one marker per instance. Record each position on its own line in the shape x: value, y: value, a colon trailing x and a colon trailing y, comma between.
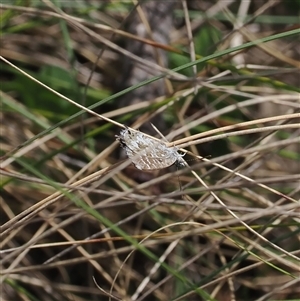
x: 147, y: 153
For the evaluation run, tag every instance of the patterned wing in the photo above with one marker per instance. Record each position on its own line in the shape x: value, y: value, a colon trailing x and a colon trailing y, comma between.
x: 147, y: 153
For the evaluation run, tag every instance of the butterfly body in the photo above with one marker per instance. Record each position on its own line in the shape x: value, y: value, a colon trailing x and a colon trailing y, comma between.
x: 147, y: 153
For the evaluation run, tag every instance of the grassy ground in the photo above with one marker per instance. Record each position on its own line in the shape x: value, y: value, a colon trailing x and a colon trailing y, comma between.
x: 78, y: 222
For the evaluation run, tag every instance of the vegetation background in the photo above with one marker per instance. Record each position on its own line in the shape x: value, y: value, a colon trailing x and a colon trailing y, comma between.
x: 219, y: 79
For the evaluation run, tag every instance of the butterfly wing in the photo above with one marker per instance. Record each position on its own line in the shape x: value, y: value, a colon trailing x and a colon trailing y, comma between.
x: 147, y: 153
